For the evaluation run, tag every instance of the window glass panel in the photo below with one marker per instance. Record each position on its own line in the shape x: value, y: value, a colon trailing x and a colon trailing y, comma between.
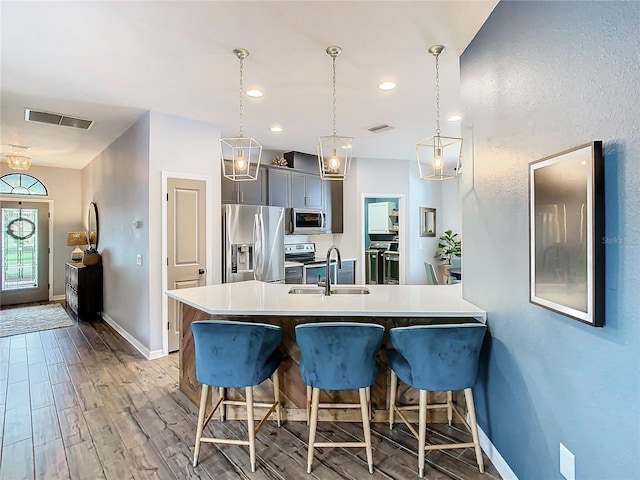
x: 21, y: 184
x: 20, y: 248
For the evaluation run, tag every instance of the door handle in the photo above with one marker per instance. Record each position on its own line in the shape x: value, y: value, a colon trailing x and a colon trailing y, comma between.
x: 201, y: 271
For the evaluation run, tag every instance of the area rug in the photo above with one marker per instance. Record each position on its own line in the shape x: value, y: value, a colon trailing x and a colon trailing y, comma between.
x: 15, y: 321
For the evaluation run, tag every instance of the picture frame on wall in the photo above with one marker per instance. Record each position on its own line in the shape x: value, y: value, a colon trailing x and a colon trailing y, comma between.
x: 566, y: 231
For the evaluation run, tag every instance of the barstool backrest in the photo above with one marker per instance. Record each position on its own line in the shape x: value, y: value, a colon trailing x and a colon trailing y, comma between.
x: 339, y: 355
x: 233, y: 354
x: 441, y: 357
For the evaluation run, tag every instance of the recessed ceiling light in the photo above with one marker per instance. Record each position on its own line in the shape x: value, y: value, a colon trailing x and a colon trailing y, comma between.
x: 276, y: 128
x: 254, y: 93
x: 387, y: 86
x: 455, y: 118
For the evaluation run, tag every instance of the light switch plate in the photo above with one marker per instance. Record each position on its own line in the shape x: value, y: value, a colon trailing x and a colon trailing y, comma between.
x: 567, y: 463
x: 139, y: 259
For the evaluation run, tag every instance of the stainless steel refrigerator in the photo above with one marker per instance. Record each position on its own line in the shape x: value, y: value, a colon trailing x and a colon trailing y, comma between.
x: 253, y: 243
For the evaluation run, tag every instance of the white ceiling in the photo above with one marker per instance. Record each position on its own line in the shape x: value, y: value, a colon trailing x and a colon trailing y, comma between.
x: 112, y: 61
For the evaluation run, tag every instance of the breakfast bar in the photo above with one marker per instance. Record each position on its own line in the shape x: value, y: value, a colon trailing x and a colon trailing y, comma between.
x: 253, y: 301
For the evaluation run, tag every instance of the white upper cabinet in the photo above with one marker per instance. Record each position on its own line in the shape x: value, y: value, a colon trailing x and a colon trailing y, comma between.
x: 381, y: 215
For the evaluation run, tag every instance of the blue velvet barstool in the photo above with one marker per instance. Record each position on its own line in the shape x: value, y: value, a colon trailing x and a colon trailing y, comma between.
x: 339, y: 356
x: 235, y: 355
x: 437, y: 358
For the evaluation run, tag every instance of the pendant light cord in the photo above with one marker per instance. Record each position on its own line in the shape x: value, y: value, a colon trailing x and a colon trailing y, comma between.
x: 437, y: 95
x: 241, y: 72
x: 334, y: 96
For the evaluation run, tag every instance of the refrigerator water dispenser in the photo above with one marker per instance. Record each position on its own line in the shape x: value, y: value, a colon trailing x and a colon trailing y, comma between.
x: 241, y: 258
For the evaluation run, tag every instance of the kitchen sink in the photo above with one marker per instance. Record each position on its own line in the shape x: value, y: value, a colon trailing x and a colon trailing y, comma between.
x: 350, y: 290
x: 334, y: 290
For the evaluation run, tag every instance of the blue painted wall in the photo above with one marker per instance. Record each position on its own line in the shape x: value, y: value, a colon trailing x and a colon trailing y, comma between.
x: 539, y: 78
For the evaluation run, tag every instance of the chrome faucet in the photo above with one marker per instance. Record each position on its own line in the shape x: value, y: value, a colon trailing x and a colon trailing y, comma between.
x: 327, y: 283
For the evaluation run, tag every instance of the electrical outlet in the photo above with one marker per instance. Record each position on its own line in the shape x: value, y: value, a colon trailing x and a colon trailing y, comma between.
x: 567, y: 463
x: 139, y: 259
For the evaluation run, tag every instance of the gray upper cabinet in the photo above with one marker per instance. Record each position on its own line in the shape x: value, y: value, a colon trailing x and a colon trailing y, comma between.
x: 279, y: 187
x: 306, y: 191
x: 247, y: 193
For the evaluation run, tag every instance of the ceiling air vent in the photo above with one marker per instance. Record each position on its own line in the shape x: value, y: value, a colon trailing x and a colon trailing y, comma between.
x: 383, y: 127
x: 56, y: 119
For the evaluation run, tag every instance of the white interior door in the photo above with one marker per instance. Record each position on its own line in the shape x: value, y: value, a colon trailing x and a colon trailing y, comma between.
x: 25, y: 252
x: 186, y: 244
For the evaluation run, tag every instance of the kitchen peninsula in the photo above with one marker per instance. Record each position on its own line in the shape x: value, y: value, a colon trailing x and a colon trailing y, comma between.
x: 388, y: 305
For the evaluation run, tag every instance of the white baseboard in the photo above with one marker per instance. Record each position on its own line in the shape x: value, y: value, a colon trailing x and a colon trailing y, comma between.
x: 148, y: 354
x: 496, y: 459
x: 57, y: 298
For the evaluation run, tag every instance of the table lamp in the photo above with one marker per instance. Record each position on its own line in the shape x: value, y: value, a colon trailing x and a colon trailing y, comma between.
x: 76, y: 239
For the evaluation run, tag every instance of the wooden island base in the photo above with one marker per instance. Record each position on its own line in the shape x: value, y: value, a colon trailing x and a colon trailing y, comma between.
x: 293, y: 389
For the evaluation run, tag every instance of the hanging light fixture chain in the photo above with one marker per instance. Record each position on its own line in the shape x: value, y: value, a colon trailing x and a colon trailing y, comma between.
x: 437, y: 95
x: 241, y: 73
x: 334, y: 96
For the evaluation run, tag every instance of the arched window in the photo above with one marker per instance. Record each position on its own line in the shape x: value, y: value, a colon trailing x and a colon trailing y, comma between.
x: 21, y: 184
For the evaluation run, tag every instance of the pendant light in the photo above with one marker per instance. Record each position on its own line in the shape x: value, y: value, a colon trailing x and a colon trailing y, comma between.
x: 18, y: 158
x: 334, y: 151
x: 438, y: 156
x: 240, y: 155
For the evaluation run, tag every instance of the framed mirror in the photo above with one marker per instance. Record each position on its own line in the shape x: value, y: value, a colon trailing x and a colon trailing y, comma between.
x: 93, y: 225
x: 427, y: 222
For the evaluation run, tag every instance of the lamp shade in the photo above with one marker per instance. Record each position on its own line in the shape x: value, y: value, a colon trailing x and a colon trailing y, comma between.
x: 77, y: 238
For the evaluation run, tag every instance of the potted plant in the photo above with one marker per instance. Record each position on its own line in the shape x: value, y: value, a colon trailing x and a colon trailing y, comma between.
x: 91, y: 257
x: 448, y: 247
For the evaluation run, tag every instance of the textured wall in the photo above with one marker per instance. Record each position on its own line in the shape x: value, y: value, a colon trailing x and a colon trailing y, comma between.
x: 118, y: 181
x: 541, y: 77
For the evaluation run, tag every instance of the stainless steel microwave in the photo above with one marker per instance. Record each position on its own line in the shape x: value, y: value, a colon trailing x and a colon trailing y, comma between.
x: 307, y: 221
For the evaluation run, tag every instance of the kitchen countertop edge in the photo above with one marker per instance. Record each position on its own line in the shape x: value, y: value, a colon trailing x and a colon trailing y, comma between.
x: 253, y: 298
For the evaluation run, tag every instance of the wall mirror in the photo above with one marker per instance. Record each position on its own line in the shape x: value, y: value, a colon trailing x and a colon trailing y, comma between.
x: 427, y: 222
x: 93, y: 225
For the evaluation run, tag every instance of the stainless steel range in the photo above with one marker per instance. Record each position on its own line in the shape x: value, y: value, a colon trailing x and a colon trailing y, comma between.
x: 313, y: 269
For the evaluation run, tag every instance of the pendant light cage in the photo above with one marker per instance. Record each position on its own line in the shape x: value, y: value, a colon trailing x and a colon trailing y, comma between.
x: 240, y: 156
x: 439, y: 157
x: 334, y: 151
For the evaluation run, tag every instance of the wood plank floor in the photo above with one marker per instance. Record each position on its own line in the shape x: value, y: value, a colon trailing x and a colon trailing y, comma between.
x: 81, y: 403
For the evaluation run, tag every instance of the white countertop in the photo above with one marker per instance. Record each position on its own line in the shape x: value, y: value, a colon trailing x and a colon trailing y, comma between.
x: 258, y: 298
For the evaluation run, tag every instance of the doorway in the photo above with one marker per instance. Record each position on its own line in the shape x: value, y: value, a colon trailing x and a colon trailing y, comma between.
x: 390, y: 231
x: 24, y: 277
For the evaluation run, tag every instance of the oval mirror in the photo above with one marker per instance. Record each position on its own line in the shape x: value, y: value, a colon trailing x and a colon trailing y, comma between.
x: 93, y: 225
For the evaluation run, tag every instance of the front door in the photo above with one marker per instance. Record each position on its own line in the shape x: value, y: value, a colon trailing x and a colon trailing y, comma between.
x: 186, y: 244
x: 24, y: 277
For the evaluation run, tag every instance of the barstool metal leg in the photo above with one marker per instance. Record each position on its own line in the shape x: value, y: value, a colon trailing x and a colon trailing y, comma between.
x: 251, y: 429
x: 422, y: 432
x: 468, y: 395
x: 204, y: 393
x: 364, y: 407
x: 315, y: 400
x: 276, y: 395
x: 392, y: 397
